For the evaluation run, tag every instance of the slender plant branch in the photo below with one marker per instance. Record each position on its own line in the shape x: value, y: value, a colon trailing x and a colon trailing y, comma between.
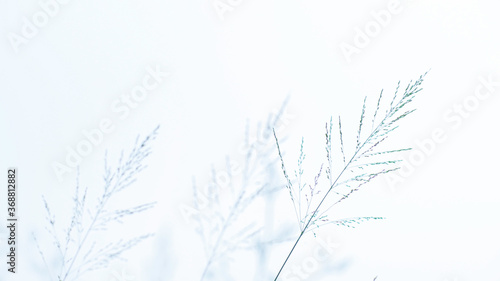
x: 377, y: 135
x: 311, y: 218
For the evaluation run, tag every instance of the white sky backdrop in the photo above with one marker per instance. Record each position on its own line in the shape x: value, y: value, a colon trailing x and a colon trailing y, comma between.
x: 442, y: 221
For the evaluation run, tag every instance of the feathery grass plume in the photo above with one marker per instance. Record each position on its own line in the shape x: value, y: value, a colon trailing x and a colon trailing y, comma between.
x: 348, y: 175
x: 79, y: 247
x: 217, y: 220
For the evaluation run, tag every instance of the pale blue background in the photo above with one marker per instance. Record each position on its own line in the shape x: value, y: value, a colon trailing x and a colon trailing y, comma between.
x: 442, y: 221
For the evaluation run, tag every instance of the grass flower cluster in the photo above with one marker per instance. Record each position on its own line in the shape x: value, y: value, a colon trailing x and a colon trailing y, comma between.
x: 219, y: 209
x: 345, y: 173
x: 79, y: 246
x: 255, y: 178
